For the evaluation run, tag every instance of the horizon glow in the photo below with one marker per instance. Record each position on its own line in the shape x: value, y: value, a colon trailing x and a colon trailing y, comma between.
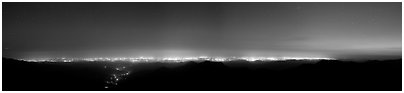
x: 343, y: 30
x: 173, y: 59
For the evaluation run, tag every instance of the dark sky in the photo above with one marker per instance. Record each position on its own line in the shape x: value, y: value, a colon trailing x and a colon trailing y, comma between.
x: 338, y: 30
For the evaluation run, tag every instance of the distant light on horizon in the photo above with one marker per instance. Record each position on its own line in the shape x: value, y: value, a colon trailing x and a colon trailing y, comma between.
x: 174, y: 59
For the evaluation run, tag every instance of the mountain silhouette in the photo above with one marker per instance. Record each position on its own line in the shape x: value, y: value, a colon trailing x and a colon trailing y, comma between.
x: 206, y: 76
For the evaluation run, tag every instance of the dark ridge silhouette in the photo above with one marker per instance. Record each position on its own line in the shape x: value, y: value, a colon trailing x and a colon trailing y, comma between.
x: 325, y: 75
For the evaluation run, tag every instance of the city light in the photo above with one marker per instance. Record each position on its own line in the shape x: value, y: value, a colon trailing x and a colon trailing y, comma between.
x: 173, y: 59
x: 119, y: 73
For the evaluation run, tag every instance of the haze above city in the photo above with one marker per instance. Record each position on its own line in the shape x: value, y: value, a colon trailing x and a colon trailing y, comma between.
x: 331, y: 30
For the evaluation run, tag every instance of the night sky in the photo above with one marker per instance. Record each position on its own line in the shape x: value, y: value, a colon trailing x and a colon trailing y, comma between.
x: 337, y: 30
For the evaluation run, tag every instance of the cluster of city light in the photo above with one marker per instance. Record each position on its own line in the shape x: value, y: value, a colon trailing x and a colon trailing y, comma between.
x: 174, y: 59
x: 119, y: 72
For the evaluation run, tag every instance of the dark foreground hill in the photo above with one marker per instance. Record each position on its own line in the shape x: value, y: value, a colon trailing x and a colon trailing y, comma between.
x: 193, y: 76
